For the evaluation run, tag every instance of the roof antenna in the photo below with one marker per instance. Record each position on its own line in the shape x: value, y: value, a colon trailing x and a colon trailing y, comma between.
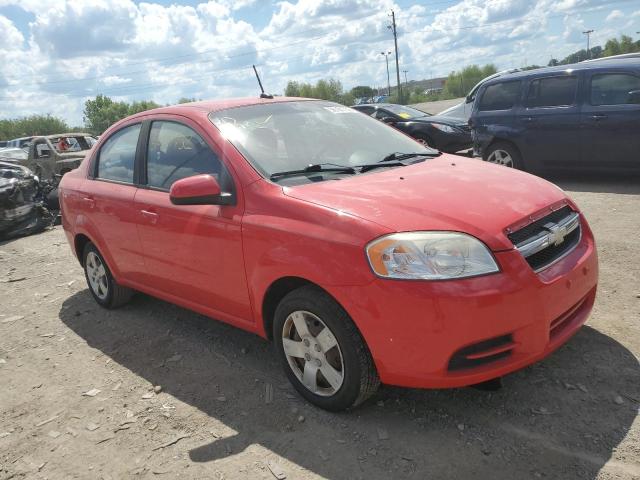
x: 262, y: 95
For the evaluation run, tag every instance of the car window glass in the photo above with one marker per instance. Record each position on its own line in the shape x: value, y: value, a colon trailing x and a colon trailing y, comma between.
x: 117, y: 155
x: 552, y: 91
x: 615, y: 89
x: 380, y: 114
x: 367, y: 110
x: 175, y: 151
x: 500, y: 96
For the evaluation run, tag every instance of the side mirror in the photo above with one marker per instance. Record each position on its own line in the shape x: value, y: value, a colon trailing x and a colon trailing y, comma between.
x: 469, y: 99
x: 44, y: 153
x: 199, y: 190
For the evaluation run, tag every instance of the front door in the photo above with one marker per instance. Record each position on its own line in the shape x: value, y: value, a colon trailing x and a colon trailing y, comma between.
x: 192, y: 252
x: 550, y: 122
x: 611, y: 120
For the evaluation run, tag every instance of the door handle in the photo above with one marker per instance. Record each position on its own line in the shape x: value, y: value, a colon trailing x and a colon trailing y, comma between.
x: 529, y: 119
x: 598, y: 116
x: 151, y: 216
x: 89, y: 202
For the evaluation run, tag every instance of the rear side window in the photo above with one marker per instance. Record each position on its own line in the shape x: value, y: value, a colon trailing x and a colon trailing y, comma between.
x: 175, y: 151
x: 500, y: 96
x: 615, y: 89
x: 552, y: 91
x: 118, y: 154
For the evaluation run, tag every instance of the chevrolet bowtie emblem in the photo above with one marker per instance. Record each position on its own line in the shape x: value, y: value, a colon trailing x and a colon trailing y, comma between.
x: 556, y: 233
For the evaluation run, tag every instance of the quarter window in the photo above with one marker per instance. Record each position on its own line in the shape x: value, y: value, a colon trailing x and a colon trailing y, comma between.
x: 118, y: 154
x: 552, y: 92
x: 175, y: 151
x: 615, y: 89
x: 500, y: 96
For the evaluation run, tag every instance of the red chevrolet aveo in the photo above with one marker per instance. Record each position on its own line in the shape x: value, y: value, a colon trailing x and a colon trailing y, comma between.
x: 365, y: 256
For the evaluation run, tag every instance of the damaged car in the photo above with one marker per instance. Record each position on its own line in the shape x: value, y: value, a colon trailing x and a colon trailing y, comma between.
x: 22, y: 202
x: 54, y: 155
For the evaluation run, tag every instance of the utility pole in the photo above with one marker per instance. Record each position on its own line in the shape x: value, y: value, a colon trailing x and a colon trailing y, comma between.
x: 406, y: 84
x: 395, y: 41
x: 588, y: 34
x: 386, y: 55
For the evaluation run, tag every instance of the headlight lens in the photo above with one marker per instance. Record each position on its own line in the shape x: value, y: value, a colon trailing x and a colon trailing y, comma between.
x: 444, y: 128
x: 430, y: 256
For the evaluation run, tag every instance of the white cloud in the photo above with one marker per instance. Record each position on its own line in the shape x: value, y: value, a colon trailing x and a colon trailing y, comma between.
x: 614, y: 15
x: 144, y: 50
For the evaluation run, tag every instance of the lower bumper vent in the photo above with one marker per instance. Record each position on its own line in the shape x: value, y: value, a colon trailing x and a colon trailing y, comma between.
x: 482, y: 353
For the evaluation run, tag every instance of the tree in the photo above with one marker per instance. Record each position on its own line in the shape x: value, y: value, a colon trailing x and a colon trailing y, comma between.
x: 459, y: 83
x: 187, y: 100
x: 362, y: 91
x: 31, y: 126
x: 102, y: 112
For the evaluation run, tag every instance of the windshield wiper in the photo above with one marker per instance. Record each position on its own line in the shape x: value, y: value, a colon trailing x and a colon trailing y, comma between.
x: 313, y: 168
x: 403, y: 156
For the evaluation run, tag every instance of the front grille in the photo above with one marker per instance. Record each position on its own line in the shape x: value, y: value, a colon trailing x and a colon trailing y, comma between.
x: 536, y: 227
x: 548, y: 239
x: 547, y: 256
x: 482, y: 353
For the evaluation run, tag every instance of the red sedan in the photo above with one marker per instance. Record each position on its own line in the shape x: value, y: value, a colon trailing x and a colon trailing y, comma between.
x: 364, y: 255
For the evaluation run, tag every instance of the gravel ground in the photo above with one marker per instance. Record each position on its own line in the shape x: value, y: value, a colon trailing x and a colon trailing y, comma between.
x: 77, y: 395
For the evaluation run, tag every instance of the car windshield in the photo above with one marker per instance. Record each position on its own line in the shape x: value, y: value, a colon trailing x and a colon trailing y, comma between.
x: 405, y: 112
x: 280, y: 137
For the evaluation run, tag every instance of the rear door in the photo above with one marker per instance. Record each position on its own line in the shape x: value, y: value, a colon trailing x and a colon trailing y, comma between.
x: 108, y: 203
x: 192, y: 252
x: 611, y: 119
x: 550, y: 121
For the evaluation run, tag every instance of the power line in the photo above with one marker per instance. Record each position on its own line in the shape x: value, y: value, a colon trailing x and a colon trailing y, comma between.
x: 166, y: 84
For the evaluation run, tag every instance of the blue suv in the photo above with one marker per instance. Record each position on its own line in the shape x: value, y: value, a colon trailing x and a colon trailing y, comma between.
x: 585, y: 116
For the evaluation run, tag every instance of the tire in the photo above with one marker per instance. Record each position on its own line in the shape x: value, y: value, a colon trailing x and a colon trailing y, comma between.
x: 346, y: 361
x: 104, y: 289
x: 504, y: 153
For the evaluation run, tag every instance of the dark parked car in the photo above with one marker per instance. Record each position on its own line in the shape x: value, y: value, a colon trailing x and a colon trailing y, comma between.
x: 443, y: 133
x: 584, y: 115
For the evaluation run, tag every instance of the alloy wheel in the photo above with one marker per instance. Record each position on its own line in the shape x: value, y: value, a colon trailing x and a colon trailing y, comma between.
x: 97, y: 275
x: 501, y: 157
x: 313, y: 353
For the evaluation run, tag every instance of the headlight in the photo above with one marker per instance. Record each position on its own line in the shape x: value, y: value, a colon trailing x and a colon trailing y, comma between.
x: 444, y: 128
x: 430, y: 256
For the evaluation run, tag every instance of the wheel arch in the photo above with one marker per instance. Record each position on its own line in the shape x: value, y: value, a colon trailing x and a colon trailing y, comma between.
x: 274, y: 294
x: 79, y: 242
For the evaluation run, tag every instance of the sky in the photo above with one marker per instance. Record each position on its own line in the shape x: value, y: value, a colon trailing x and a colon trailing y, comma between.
x: 56, y: 54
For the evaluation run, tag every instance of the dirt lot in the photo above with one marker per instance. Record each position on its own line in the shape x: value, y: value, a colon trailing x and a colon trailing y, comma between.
x: 77, y: 384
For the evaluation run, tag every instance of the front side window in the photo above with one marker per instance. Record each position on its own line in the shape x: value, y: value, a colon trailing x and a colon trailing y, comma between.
x: 500, y: 96
x: 615, y: 89
x: 552, y: 92
x: 117, y: 155
x: 175, y: 151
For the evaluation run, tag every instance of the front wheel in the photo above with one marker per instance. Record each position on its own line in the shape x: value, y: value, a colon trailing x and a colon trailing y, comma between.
x: 323, y: 353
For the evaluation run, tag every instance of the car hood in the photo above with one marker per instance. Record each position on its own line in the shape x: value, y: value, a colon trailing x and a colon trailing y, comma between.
x: 445, y: 193
x: 453, y: 121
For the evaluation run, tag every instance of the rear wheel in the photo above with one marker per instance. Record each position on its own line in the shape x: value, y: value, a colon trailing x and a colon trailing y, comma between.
x: 323, y: 353
x: 503, y: 153
x: 102, y: 285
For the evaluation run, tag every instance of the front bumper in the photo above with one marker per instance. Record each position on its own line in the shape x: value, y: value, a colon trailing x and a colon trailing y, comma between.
x: 414, y: 329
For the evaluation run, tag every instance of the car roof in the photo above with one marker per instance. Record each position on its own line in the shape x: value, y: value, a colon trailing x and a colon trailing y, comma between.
x: 596, y: 64
x: 209, y: 106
